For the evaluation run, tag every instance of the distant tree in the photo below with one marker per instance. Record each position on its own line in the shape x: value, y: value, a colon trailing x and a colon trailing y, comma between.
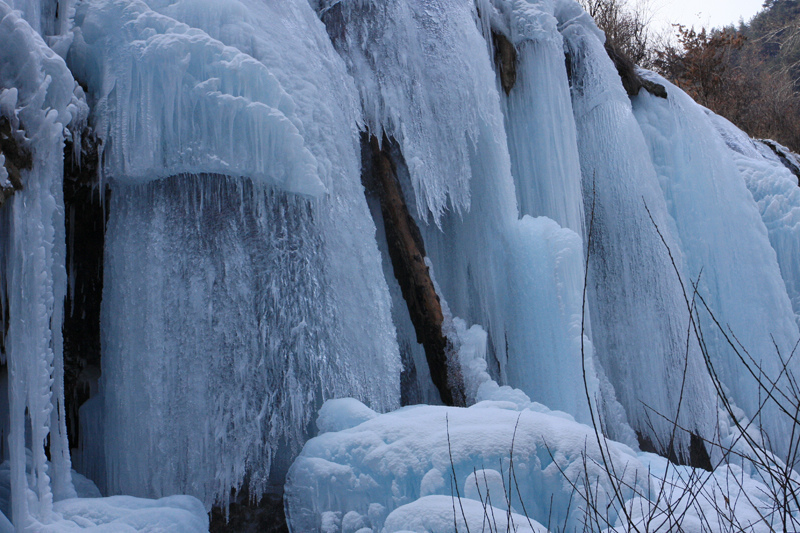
x: 701, y: 65
x: 726, y: 71
x: 626, y: 27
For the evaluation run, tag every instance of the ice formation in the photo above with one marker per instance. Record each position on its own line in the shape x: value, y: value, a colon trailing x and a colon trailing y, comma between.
x: 293, y: 311
x: 247, y: 272
x: 439, y: 469
x: 38, y: 100
x: 709, y: 203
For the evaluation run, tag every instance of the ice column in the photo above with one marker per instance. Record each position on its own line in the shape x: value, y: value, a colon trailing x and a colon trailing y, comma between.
x: 37, y: 95
x: 541, y: 133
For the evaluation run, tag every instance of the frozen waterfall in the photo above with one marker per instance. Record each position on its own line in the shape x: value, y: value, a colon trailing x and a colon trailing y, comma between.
x: 575, y: 241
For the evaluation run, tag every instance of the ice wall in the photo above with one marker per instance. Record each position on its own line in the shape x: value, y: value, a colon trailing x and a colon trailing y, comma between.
x: 36, y: 97
x: 774, y: 188
x: 253, y: 301
x: 725, y: 245
x: 541, y: 135
x: 640, y: 315
x: 493, y: 269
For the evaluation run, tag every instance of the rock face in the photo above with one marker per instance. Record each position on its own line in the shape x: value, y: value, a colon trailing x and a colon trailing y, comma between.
x: 505, y: 57
x: 244, y: 516
x: 17, y: 158
x: 407, y: 252
x: 631, y: 80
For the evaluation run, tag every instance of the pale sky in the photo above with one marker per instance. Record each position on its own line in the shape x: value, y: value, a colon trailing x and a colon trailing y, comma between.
x: 697, y: 13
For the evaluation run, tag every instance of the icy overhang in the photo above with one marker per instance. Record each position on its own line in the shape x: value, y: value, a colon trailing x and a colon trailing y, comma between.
x: 171, y: 100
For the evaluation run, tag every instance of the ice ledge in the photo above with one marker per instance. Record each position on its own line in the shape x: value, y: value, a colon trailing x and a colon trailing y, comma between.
x: 172, y: 100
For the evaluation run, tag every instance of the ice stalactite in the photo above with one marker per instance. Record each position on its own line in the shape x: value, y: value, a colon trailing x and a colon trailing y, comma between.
x: 639, y: 313
x: 38, y: 101
x: 430, y: 95
x: 240, y: 258
x: 725, y: 246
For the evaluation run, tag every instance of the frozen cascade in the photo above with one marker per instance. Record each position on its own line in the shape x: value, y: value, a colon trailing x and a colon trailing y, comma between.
x: 246, y: 282
x: 541, y: 137
x: 777, y: 196
x: 283, y: 296
x: 639, y: 316
x: 38, y: 95
x: 482, y: 255
x: 725, y: 245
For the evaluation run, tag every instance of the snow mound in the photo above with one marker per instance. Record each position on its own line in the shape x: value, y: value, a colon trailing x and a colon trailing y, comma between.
x: 434, y: 514
x: 126, y: 514
x: 90, y: 512
x: 395, y: 471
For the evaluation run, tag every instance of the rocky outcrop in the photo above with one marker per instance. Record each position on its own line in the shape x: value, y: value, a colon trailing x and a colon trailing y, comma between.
x: 787, y: 158
x: 505, y: 57
x: 17, y: 158
x: 631, y: 79
x: 407, y: 253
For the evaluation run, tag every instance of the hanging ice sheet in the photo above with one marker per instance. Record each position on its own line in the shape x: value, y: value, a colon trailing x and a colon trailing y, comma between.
x: 541, y: 135
x: 640, y: 317
x: 420, y: 68
x: 726, y: 248
x: 256, y: 304
x: 172, y: 100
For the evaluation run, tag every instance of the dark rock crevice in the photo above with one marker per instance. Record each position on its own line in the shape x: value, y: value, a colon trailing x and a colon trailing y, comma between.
x: 793, y: 168
x: 696, y: 456
x: 407, y: 254
x: 17, y: 158
x: 505, y: 57
x: 244, y: 516
x: 85, y: 215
